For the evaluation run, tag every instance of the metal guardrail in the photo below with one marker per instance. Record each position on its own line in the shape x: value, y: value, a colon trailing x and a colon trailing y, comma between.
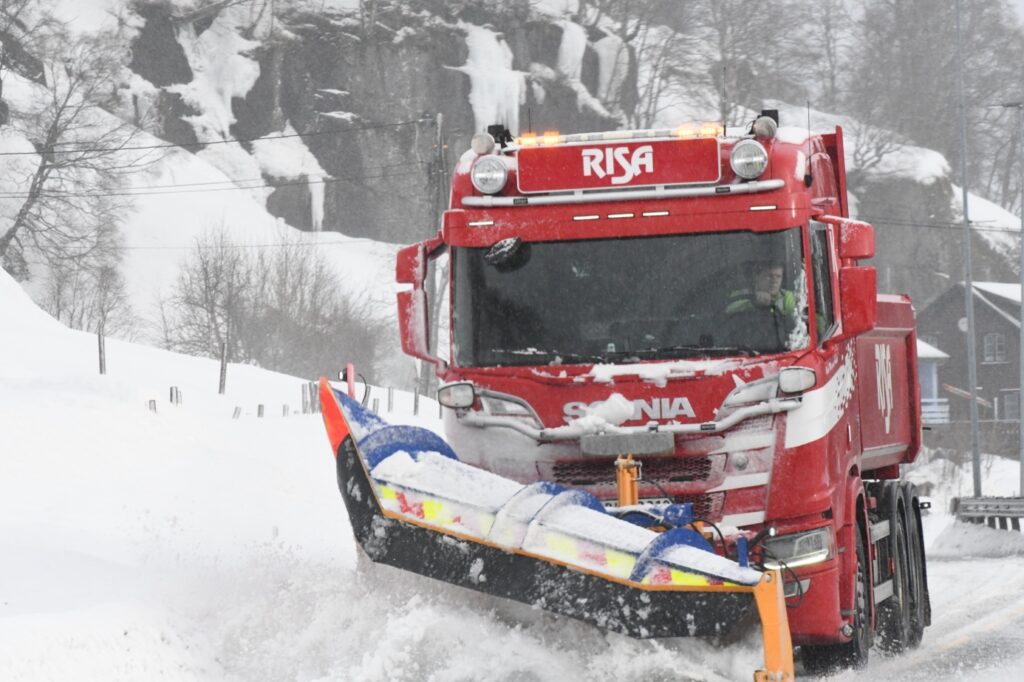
x: 1003, y: 513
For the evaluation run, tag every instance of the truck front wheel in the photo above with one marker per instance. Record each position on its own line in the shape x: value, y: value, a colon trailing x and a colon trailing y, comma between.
x: 853, y: 654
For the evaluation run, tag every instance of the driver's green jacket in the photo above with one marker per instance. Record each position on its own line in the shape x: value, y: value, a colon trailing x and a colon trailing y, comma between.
x: 742, y: 301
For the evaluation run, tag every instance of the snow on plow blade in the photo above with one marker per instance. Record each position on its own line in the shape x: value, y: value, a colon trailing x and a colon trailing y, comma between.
x: 414, y: 506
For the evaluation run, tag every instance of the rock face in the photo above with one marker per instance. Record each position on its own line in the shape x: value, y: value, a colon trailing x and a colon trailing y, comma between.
x: 369, y: 93
x: 384, y: 101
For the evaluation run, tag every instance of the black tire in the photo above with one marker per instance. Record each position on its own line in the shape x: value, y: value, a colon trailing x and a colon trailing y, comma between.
x: 819, y: 660
x: 894, y: 626
x: 920, y: 605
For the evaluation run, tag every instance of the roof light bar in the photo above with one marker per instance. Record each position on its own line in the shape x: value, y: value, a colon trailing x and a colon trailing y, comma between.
x: 552, y: 137
x: 685, y: 131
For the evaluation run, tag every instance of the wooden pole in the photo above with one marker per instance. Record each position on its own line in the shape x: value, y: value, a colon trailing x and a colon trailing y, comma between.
x: 101, y: 342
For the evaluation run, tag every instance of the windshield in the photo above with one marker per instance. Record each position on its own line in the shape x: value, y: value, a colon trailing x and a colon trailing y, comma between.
x: 621, y: 300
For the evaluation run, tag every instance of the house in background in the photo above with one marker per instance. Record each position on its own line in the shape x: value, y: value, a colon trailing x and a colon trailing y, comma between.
x: 943, y: 326
x: 934, y: 407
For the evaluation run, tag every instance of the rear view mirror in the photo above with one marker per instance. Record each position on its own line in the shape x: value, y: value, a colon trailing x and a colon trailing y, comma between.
x: 858, y: 291
x: 413, y: 313
x: 856, y: 240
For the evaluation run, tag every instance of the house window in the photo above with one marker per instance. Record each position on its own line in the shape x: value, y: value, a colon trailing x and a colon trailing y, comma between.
x: 1011, y: 405
x: 995, y: 347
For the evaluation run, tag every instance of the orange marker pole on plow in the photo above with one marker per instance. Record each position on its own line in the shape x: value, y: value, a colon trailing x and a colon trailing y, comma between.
x: 627, y: 473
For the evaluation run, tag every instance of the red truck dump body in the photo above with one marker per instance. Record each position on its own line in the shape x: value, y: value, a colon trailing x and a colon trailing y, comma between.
x: 605, y: 299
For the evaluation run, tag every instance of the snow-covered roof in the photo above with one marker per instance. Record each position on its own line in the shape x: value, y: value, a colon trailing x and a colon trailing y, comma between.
x: 926, y: 351
x: 1008, y: 290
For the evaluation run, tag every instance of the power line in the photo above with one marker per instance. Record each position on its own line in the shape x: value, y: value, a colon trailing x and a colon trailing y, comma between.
x: 167, y: 145
x: 928, y: 225
x: 171, y: 189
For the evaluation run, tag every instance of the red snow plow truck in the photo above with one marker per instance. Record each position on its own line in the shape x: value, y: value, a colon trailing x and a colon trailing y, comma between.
x: 671, y: 330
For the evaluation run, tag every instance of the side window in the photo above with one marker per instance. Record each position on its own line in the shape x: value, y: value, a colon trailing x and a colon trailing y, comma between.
x: 995, y: 347
x: 822, y: 266
x: 1011, y: 405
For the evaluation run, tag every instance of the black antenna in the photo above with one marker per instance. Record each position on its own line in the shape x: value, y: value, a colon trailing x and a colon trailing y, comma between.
x: 529, y: 122
x: 807, y: 176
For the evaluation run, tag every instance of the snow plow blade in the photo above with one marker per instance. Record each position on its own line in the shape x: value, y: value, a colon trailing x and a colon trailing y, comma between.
x: 414, y: 506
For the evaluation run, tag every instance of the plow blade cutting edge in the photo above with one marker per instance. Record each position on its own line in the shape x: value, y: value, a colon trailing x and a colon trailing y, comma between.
x: 414, y: 506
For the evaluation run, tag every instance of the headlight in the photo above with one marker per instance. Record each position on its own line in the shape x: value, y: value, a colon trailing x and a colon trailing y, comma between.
x: 748, y: 159
x: 501, y: 405
x: 457, y: 396
x: 489, y: 174
x: 797, y: 379
x: 799, y: 549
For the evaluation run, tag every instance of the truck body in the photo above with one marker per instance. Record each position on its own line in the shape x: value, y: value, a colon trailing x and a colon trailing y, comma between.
x: 601, y: 300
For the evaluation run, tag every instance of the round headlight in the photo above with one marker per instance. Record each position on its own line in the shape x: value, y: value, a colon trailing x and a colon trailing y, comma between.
x: 748, y: 159
x: 489, y: 174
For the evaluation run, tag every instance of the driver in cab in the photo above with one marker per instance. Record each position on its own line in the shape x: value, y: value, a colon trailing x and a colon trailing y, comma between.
x: 765, y: 293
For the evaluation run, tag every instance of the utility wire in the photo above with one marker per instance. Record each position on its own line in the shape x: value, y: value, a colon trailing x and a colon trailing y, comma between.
x: 169, y: 189
x: 166, y: 145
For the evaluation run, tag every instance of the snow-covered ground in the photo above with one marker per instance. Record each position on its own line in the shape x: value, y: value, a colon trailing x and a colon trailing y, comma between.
x: 188, y: 545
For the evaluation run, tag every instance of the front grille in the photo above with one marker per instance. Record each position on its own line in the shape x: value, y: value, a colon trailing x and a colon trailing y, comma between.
x: 661, y: 469
x: 707, y: 507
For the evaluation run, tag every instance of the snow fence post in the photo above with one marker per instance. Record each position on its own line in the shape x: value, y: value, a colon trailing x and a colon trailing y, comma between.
x: 305, y: 398
x: 415, y: 401
x: 259, y: 410
x: 152, y: 405
x: 237, y: 413
x: 391, y: 399
x: 376, y: 406
x: 102, y: 344
x: 284, y: 410
x: 223, y: 367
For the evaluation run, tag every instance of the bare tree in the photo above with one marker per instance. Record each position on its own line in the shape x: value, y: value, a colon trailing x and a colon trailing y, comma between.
x: 280, y: 307
x: 93, y: 299
x: 69, y: 200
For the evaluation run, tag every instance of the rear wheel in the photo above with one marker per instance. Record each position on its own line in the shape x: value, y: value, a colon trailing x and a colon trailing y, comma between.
x: 920, y: 610
x: 894, y: 626
x: 852, y: 654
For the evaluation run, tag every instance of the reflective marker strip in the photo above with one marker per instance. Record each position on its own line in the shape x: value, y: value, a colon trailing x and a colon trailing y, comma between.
x: 620, y: 563
x: 584, y: 553
x: 654, y: 214
x: 620, y: 215
x: 585, y: 217
x: 562, y: 544
x: 770, y: 207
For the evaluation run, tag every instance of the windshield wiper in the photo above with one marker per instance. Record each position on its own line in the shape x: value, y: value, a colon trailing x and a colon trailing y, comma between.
x: 537, y: 356
x: 696, y: 350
